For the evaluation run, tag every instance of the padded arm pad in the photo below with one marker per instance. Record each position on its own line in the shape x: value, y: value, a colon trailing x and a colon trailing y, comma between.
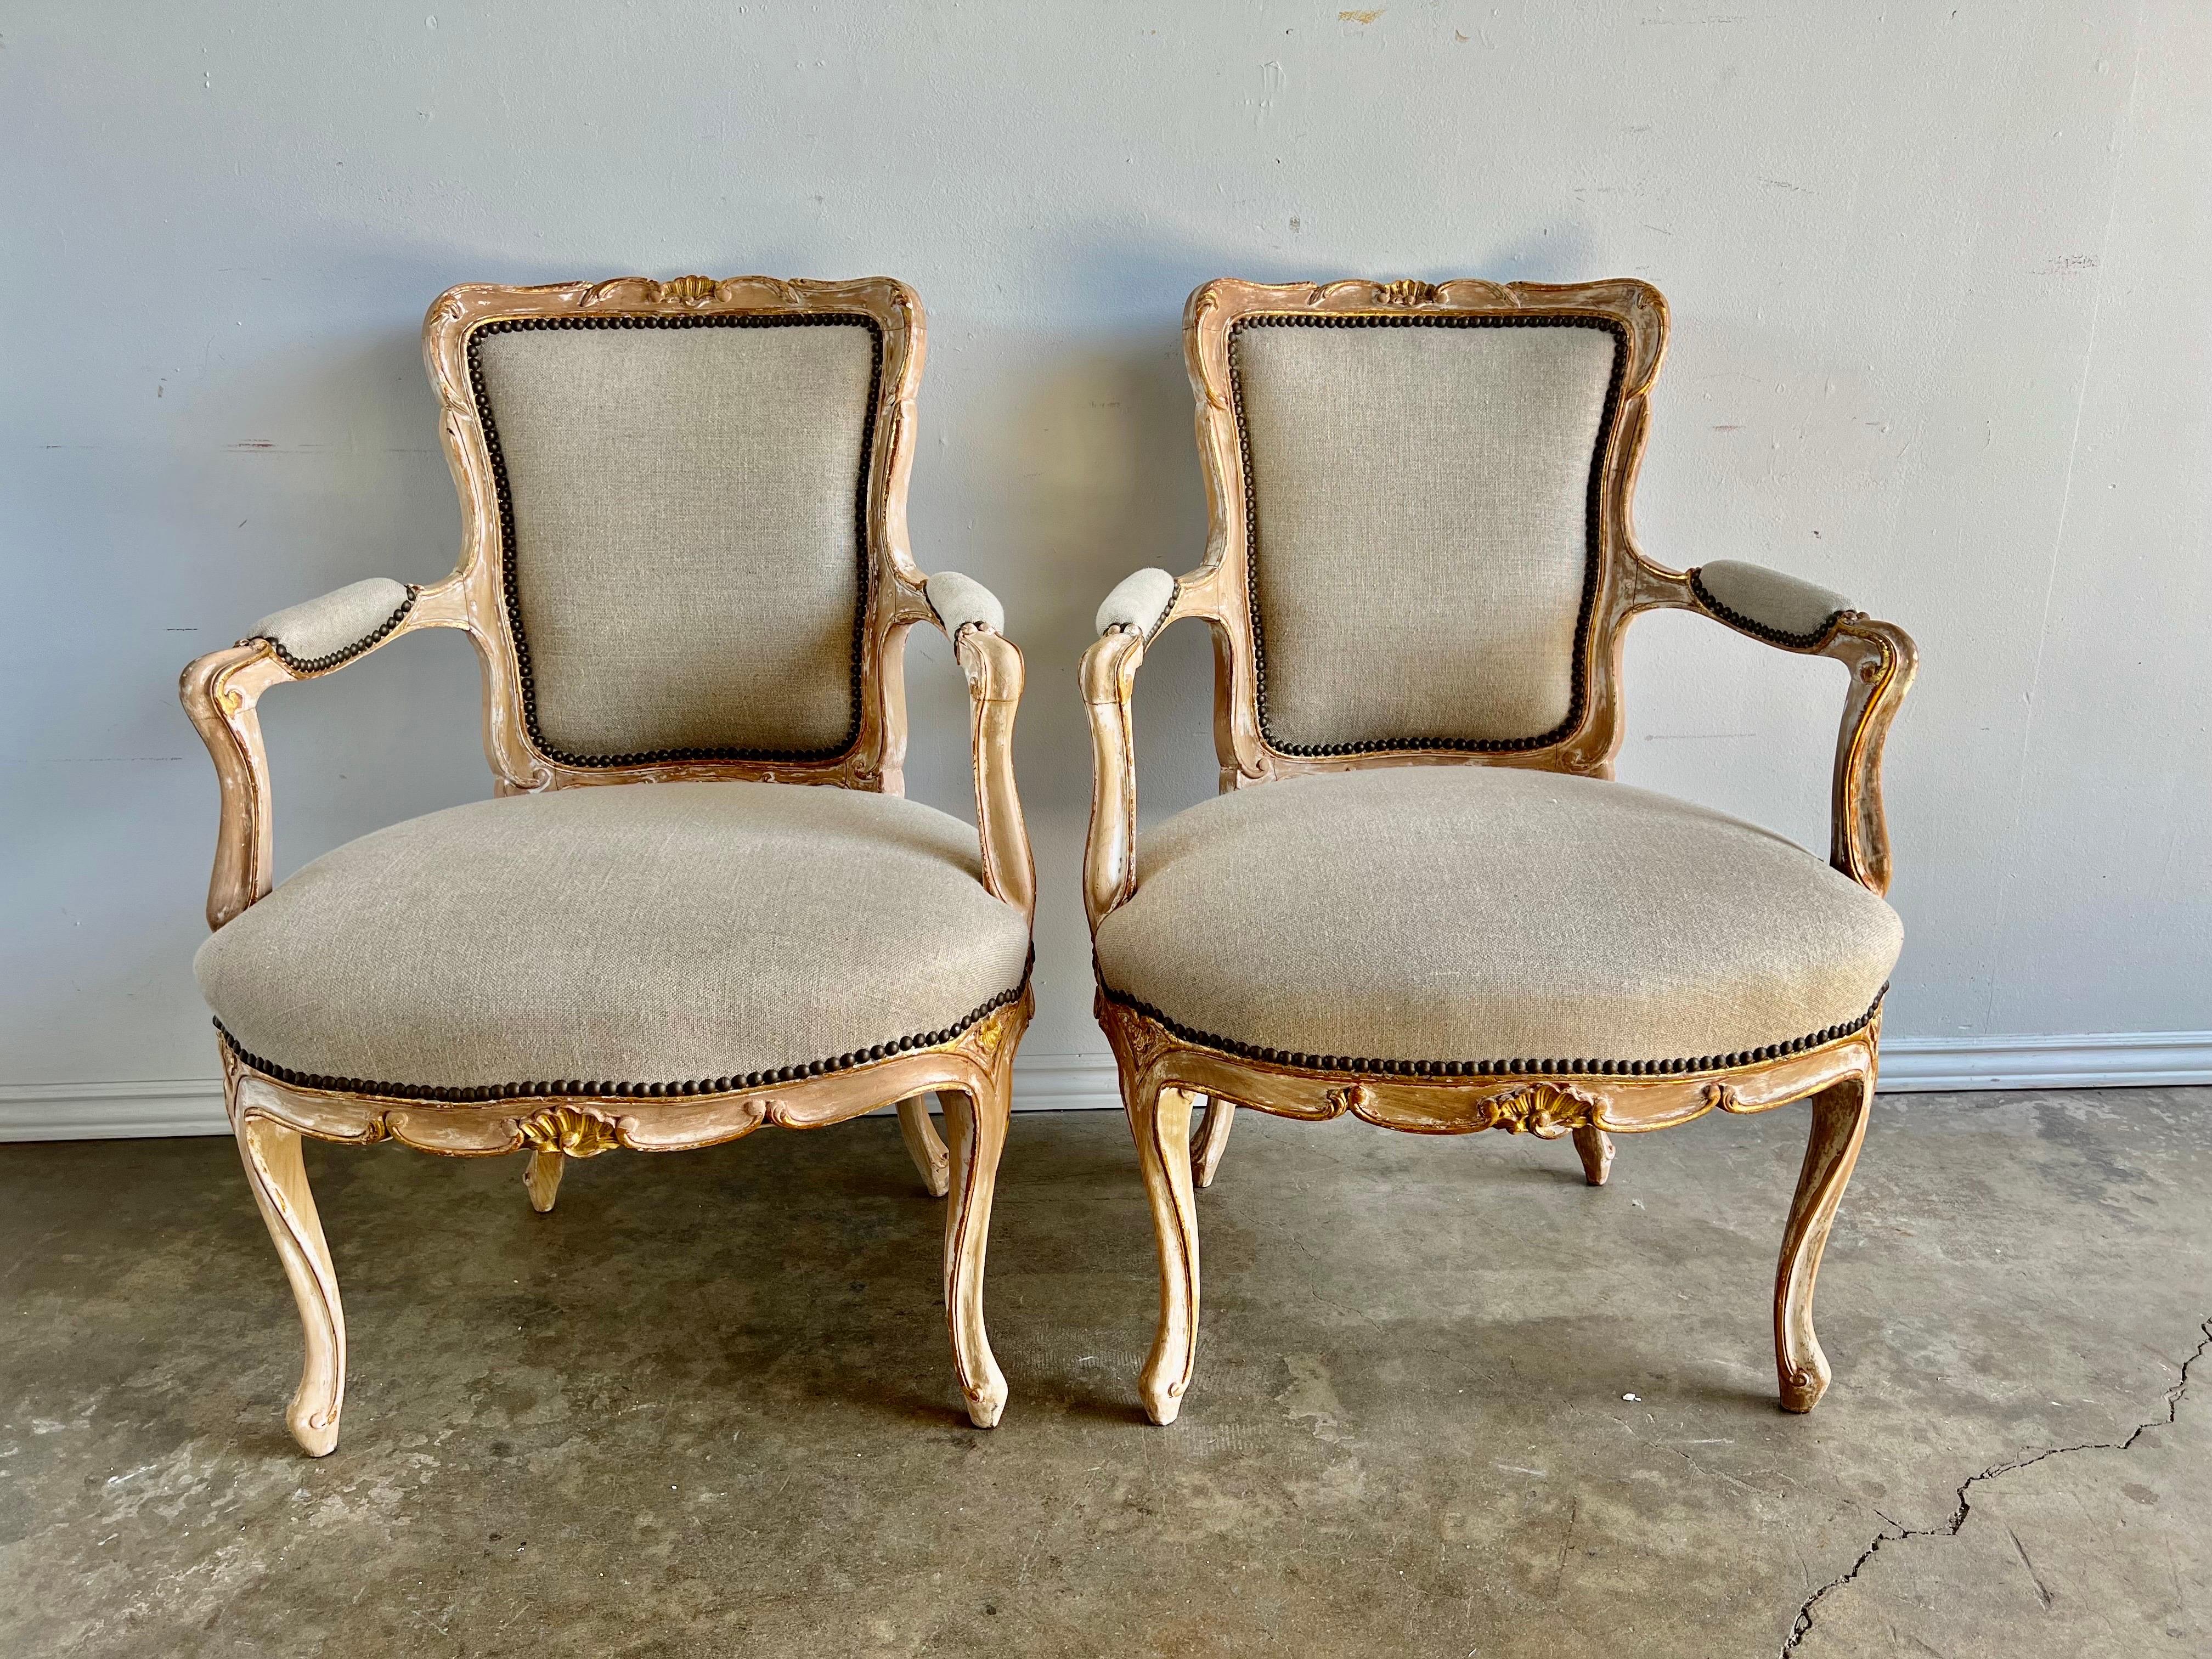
x: 1766, y: 603
x: 961, y: 601
x: 1139, y: 604
x: 324, y: 632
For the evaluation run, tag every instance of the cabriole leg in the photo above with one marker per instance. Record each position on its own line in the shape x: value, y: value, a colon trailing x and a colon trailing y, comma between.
x: 930, y: 1158
x: 542, y: 1177
x: 1839, y: 1123
x: 1213, y: 1138
x: 1596, y: 1149
x: 978, y: 1128
x: 1160, y: 1118
x: 279, y: 1178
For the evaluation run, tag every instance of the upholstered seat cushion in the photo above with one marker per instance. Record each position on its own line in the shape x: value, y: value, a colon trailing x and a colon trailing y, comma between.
x: 638, y: 933
x: 1472, y: 913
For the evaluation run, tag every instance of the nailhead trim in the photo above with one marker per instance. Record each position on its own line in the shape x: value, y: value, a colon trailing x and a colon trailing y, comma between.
x: 1175, y: 593
x: 1590, y: 565
x: 512, y: 603
x: 344, y: 653
x: 1453, y: 1068
x: 1736, y: 619
x: 576, y: 1088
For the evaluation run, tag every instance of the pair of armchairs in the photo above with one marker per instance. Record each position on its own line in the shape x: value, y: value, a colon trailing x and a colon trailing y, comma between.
x: 685, y: 570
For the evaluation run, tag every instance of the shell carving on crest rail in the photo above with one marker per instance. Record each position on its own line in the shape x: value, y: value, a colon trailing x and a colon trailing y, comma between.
x: 573, y: 1131
x: 1408, y: 292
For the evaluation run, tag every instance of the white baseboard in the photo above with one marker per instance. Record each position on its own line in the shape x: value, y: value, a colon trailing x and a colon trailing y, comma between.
x: 1062, y: 1083
x: 2099, y: 1059
x: 110, y: 1111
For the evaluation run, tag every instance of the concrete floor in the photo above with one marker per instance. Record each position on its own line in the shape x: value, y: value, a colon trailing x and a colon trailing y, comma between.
x: 1448, y: 1401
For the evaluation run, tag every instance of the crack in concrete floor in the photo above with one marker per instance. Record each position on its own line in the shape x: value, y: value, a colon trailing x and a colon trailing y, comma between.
x: 1894, y: 1535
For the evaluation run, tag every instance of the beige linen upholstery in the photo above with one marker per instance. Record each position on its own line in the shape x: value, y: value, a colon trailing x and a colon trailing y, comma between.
x: 1422, y: 489
x: 961, y: 601
x: 687, y: 530
x: 1771, y: 602
x: 1478, y: 913
x: 337, y: 624
x: 654, y: 932
x: 1139, y: 602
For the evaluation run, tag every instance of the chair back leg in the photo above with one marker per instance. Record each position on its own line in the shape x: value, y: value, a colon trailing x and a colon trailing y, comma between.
x: 541, y: 1177
x: 1213, y: 1138
x: 1596, y: 1148
x: 931, y: 1160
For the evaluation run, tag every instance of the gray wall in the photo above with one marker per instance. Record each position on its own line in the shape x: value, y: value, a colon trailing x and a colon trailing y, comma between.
x: 1938, y: 343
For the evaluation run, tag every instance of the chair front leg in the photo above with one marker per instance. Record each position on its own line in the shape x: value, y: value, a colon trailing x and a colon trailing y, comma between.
x: 977, y: 1123
x: 1840, y: 1125
x: 279, y: 1178
x: 930, y: 1158
x: 1160, y: 1118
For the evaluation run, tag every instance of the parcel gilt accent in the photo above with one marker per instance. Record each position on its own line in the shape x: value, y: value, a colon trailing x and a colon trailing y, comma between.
x: 1545, y: 1111
x: 572, y: 1131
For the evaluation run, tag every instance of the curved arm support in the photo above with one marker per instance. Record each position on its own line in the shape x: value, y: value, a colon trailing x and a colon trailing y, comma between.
x: 221, y: 692
x: 1882, y: 660
x: 1109, y: 856
x: 993, y: 668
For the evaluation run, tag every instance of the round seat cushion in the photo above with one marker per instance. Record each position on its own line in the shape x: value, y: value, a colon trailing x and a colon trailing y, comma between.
x: 635, y: 934
x: 1483, y: 915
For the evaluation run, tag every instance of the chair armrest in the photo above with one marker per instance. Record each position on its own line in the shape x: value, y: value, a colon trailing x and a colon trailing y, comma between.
x: 963, y: 602
x: 329, y: 632
x: 973, y: 619
x: 1767, y: 604
x: 1139, y: 603
x: 1797, y: 616
x: 221, y: 692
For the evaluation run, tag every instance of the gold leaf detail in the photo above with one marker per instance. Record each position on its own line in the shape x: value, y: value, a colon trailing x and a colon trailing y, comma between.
x: 689, y: 290
x: 1353, y: 1097
x: 575, y: 1131
x: 1545, y: 1111
x: 989, y: 1037
x: 1408, y: 292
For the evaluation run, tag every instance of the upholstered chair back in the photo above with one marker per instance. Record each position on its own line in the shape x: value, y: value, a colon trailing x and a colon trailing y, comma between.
x: 1423, y: 500
x: 684, y: 511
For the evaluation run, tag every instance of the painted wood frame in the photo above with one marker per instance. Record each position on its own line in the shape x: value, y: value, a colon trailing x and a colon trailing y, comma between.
x: 970, y: 1075
x: 1164, y: 1076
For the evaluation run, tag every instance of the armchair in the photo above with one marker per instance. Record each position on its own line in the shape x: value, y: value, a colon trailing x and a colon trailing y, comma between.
x: 686, y: 574
x: 1441, y: 914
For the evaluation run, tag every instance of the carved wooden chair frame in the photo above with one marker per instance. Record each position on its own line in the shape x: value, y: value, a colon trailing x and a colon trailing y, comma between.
x: 970, y: 1070
x: 1164, y: 1073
